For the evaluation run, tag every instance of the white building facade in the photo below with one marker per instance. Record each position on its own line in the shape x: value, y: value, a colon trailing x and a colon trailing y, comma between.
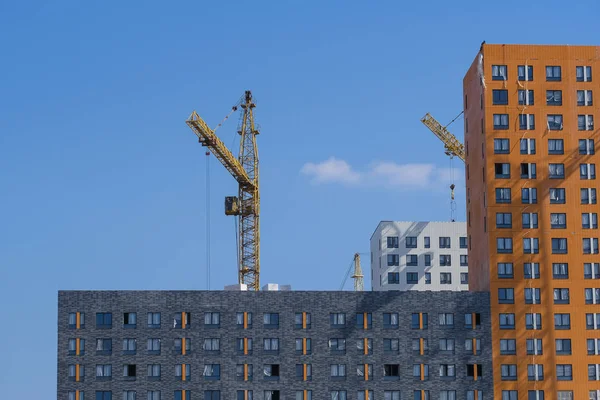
x: 419, y: 256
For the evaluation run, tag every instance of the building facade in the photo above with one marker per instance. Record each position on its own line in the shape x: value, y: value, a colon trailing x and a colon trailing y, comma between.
x: 293, y: 345
x: 532, y: 215
x: 419, y: 256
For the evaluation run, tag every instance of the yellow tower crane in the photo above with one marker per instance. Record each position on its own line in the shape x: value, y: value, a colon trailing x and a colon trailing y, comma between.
x: 244, y: 169
x: 453, y: 146
x: 358, y: 276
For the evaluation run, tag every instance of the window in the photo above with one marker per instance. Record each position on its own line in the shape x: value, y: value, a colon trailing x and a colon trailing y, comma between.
x: 103, y: 320
x: 501, y: 146
x: 535, y: 372
x: 362, y: 323
x: 529, y: 220
x: 506, y: 296
x: 445, y: 278
x: 180, y: 343
x: 531, y: 246
x: 553, y: 73
x: 271, y: 395
x: 391, y: 345
x: 531, y: 270
x: 527, y: 146
x: 392, y: 395
x: 504, y: 245
x: 532, y: 296
x: 152, y: 345
x: 212, y: 344
x: 500, y: 121
x: 447, y: 371
x: 583, y: 73
x: 153, y: 370
x: 564, y: 395
x: 464, y: 278
x: 462, y: 242
x: 420, y: 345
x: 556, y: 146
x: 464, y: 260
x: 153, y: 395
x: 182, y: 320
x: 212, y: 395
x: 474, y: 370
x: 412, y: 260
x: 469, y: 346
x: 584, y: 98
x: 560, y: 271
x: 364, y: 374
x: 526, y: 121
x: 417, y: 319
x: 554, y: 97
x: 594, y: 372
x: 244, y: 319
x: 304, y: 346
x: 428, y: 260
x: 503, y: 220
x: 585, y: 122
x: 563, y: 347
x: 557, y: 196
x: 556, y: 171
x: 73, y: 323
x: 271, y: 320
x: 587, y: 171
x: 529, y: 195
x: 411, y: 242
x: 508, y: 372
x: 499, y: 97
x: 590, y: 246
x: 535, y: 395
x: 526, y: 97
x: 592, y: 296
x: 444, y: 242
x: 525, y: 73
x: 445, y: 260
x: 564, y: 372
x: 304, y: 372
x: 183, y: 371
x: 503, y: 195
x: 129, y: 370
x: 393, y: 260
x: 338, y: 370
x: 533, y: 321
x: 505, y: 270
x: 559, y: 246
x: 271, y: 344
x: 561, y: 296
x: 508, y: 346
x: 393, y: 278
x: 103, y: 346
x: 210, y: 372
x: 103, y: 371
x: 302, y: 320
x: 412, y: 277
x: 212, y: 319
x: 364, y: 395
x: 129, y: 346
x: 447, y: 345
x: 337, y: 345
x: 554, y: 122
x: 593, y: 346
x: 446, y: 319
x: 558, y: 220
x: 474, y: 395
x: 129, y: 320
x: 507, y: 321
x: 592, y: 321
x: 510, y: 395
x: 502, y: 170
x: 427, y: 242
x: 591, y: 271
x: 103, y: 395
x: 76, y: 350
x: 391, y: 370
x: 74, y: 369
x: 588, y: 196
x: 392, y: 242
x: 421, y: 371
x: 338, y: 395
x: 528, y: 171
x: 586, y: 146
x: 499, y: 73
x: 337, y: 319
x: 390, y: 320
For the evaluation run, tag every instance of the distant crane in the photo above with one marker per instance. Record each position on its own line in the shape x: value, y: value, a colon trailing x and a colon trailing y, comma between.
x: 244, y: 169
x: 453, y: 146
x: 357, y: 275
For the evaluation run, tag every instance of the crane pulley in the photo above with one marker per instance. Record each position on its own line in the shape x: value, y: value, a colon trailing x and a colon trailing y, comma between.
x: 244, y: 169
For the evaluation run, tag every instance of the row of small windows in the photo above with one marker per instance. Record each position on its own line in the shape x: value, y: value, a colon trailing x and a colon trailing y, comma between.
x: 363, y: 320
x: 275, y: 395
x: 410, y: 242
x: 583, y: 73
x: 504, y: 245
x: 556, y: 195
x: 273, y: 372
x: 393, y: 278
x: 554, y: 122
x: 555, y: 147
x: 533, y: 321
x: 560, y: 295
x: 412, y: 260
x: 534, y: 346
x: 559, y: 270
x: 535, y: 372
x: 555, y: 171
x: 553, y: 97
x: 557, y: 220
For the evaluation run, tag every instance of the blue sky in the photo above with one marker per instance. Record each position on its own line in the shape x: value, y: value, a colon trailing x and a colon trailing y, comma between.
x: 103, y: 184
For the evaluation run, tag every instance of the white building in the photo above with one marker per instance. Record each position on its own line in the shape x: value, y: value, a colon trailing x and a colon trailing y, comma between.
x: 419, y: 256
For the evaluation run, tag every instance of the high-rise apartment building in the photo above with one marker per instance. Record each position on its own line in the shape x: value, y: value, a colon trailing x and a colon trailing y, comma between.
x: 419, y: 256
x: 532, y: 215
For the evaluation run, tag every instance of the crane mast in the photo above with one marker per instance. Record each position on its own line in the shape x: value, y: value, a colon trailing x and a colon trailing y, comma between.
x: 244, y: 169
x: 358, y: 276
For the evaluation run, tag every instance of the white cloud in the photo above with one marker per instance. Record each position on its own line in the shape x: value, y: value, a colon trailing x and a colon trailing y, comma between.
x: 386, y: 174
x: 331, y: 170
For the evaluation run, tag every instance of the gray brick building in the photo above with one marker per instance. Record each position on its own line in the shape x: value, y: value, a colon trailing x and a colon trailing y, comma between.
x: 271, y: 345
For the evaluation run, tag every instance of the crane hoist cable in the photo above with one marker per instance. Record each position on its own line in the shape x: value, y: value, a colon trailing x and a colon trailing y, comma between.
x: 207, y: 220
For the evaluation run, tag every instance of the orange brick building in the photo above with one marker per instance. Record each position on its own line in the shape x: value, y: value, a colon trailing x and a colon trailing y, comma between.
x: 532, y: 215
